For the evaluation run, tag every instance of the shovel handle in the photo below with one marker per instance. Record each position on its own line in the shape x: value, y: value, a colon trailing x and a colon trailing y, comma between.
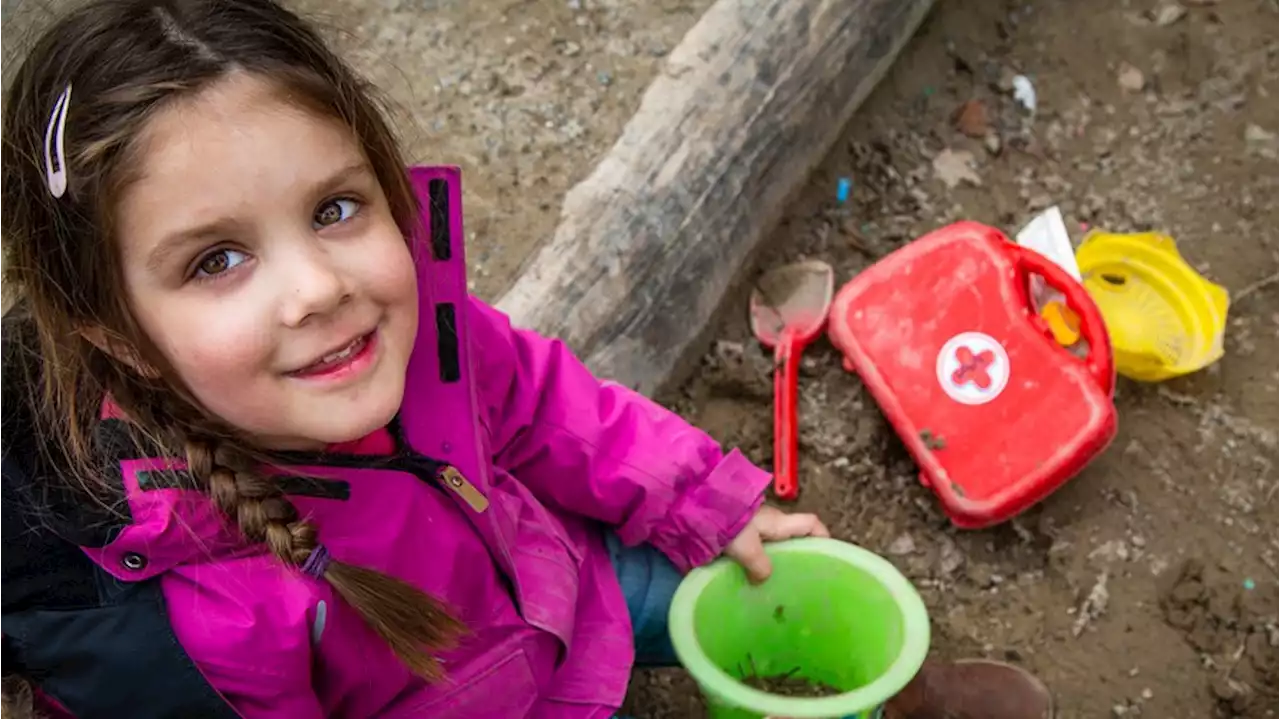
x: 786, y: 378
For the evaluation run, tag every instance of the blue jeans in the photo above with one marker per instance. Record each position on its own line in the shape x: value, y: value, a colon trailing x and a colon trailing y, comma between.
x: 648, y: 582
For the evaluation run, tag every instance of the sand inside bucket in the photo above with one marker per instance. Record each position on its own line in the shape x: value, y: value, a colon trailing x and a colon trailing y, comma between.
x: 786, y: 684
x: 790, y: 686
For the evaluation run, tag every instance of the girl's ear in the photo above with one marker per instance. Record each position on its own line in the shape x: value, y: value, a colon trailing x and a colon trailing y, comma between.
x: 119, y: 349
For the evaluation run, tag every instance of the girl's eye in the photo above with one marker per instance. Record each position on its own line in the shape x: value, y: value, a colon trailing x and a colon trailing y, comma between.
x: 334, y: 211
x: 219, y: 261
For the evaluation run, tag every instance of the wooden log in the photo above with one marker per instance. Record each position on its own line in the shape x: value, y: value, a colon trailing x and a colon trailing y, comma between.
x: 744, y: 108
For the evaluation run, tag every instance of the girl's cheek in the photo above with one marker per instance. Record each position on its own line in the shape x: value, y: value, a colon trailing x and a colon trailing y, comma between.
x: 389, y: 266
x: 217, y: 346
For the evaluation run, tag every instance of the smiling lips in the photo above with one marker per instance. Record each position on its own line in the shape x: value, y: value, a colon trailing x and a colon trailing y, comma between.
x: 348, y: 360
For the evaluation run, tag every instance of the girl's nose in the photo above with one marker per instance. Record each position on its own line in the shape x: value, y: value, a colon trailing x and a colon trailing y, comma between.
x: 316, y: 286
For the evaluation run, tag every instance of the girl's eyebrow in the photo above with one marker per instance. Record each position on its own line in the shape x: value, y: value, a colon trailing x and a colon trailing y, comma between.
x: 224, y: 226
x: 344, y: 175
x: 176, y: 241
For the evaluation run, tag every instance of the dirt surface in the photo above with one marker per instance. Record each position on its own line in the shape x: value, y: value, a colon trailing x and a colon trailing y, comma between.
x: 1147, y: 585
x: 523, y: 95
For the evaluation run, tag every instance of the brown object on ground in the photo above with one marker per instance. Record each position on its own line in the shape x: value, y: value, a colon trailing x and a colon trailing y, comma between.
x: 745, y: 107
x: 971, y: 119
x: 972, y: 689
x: 789, y: 685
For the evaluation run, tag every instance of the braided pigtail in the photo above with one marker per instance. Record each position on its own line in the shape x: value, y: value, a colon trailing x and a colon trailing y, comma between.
x: 17, y: 700
x: 414, y: 624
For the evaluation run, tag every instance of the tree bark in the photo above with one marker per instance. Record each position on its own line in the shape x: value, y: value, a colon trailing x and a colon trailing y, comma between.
x: 744, y: 108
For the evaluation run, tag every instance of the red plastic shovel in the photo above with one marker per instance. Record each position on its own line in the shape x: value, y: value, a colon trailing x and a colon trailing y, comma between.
x: 788, y: 310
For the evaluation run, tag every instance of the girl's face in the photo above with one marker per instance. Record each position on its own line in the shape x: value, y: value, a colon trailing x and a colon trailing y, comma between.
x: 262, y: 259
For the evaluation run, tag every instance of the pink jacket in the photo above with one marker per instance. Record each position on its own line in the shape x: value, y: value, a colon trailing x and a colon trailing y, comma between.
x: 549, y: 457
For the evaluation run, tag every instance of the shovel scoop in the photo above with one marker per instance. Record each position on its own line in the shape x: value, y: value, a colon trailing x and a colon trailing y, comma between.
x: 788, y: 310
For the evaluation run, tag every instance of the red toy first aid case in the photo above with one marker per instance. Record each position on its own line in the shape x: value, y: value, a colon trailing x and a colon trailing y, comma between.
x: 995, y: 412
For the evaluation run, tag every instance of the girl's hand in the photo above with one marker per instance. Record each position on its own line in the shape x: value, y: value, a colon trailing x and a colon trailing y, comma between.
x: 769, y: 524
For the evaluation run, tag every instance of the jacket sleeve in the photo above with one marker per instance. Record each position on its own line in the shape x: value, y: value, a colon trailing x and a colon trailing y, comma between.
x: 604, y: 451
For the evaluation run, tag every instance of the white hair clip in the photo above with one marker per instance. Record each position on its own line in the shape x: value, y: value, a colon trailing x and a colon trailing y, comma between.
x: 55, y: 158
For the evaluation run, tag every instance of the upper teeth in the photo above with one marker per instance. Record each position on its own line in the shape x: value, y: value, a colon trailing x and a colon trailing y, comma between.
x: 342, y: 353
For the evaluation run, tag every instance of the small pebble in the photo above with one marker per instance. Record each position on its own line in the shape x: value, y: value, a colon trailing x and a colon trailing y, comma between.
x: 1169, y: 13
x: 1259, y: 141
x: 729, y: 350
x: 1147, y: 694
x: 901, y: 546
x: 1130, y: 78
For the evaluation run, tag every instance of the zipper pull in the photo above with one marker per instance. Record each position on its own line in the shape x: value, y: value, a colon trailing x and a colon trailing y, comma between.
x: 453, y: 479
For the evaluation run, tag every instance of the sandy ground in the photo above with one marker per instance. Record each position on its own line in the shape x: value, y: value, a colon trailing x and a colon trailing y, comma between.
x: 1151, y: 114
x: 524, y: 95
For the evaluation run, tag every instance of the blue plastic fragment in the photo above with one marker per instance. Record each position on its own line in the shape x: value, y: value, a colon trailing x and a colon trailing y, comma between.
x: 842, y: 190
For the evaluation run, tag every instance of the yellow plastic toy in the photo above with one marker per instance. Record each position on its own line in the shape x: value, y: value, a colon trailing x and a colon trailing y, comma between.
x: 1163, y: 318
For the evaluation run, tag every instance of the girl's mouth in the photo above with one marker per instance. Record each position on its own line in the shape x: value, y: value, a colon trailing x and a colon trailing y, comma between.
x: 344, y: 362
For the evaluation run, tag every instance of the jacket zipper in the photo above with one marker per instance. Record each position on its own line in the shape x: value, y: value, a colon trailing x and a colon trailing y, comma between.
x: 406, y: 460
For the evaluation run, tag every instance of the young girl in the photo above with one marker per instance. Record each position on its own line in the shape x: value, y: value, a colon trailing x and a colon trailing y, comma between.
x: 263, y: 455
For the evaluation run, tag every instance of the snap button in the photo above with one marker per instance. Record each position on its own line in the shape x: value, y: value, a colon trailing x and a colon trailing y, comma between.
x: 445, y: 446
x: 133, y: 561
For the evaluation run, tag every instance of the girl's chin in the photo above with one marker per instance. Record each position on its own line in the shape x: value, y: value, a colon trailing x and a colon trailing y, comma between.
x: 320, y: 428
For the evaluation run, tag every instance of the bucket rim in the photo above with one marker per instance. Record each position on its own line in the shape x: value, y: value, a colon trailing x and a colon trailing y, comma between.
x: 911, y: 656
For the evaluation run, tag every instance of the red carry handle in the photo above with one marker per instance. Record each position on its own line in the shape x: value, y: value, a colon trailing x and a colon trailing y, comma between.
x: 1092, y: 327
x: 786, y: 390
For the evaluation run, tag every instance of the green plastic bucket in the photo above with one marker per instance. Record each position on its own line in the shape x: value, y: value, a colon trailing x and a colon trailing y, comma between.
x: 832, y: 613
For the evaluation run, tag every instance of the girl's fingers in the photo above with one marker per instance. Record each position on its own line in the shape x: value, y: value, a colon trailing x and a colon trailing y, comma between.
x: 755, y: 561
x: 787, y: 526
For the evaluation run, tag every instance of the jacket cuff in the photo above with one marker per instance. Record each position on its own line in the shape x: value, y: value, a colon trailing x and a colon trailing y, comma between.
x: 712, y: 512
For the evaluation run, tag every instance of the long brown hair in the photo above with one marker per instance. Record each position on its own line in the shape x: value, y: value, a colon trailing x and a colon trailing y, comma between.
x: 125, y: 60
x: 16, y: 699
